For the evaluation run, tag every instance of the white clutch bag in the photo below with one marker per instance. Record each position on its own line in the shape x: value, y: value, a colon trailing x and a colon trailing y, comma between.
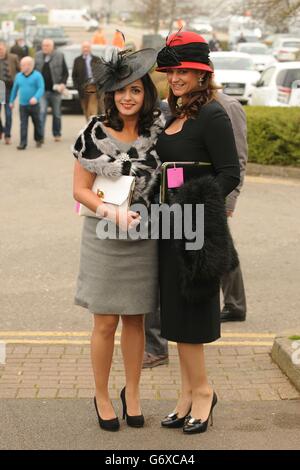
x: 113, y: 191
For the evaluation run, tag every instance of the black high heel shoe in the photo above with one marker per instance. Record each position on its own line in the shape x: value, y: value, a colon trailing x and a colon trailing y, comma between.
x: 137, y: 421
x: 194, y: 426
x: 107, y: 424
x: 172, y: 420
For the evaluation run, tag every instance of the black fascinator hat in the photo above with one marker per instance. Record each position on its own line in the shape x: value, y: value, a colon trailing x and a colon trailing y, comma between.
x: 124, y: 68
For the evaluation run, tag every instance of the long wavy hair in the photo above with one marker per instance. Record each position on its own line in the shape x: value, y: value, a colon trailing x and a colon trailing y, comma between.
x: 147, y: 115
x: 205, y: 93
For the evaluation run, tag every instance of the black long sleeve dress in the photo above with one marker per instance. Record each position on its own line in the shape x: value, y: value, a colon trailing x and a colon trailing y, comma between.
x: 208, y: 138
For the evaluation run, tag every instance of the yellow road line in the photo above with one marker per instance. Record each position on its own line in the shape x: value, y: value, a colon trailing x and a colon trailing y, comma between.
x: 45, y: 333
x: 85, y: 342
x: 242, y: 343
x: 88, y: 333
x: 248, y: 335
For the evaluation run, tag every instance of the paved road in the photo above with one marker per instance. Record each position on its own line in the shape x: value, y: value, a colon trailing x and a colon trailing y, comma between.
x: 72, y: 424
x: 40, y: 234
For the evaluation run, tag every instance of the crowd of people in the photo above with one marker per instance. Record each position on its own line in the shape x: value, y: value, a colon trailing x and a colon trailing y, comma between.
x: 38, y: 93
x: 40, y: 83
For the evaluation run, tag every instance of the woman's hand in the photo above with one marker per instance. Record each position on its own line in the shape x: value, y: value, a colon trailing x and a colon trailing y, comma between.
x: 127, y: 219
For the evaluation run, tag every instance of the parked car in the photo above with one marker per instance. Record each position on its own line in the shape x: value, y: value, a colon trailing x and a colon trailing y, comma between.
x: 125, y: 16
x: 56, y: 33
x: 285, y: 49
x: 200, y: 24
x: 235, y: 71
x: 39, y: 8
x: 26, y: 18
x: 279, y: 85
x: 70, y: 99
x: 271, y: 38
x: 260, y: 53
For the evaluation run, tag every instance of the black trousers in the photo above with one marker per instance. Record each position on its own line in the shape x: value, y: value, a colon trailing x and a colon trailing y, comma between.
x: 34, y: 112
x: 234, y: 292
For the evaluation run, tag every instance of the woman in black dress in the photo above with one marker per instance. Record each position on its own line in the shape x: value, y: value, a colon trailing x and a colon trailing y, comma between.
x: 200, y: 130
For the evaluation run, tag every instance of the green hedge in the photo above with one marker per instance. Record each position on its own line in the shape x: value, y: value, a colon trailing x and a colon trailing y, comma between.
x: 274, y: 135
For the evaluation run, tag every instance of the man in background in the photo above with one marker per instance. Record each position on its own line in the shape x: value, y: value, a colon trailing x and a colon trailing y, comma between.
x: 232, y: 283
x: 52, y: 65
x: 20, y: 48
x: 82, y: 75
x: 29, y: 83
x: 9, y: 66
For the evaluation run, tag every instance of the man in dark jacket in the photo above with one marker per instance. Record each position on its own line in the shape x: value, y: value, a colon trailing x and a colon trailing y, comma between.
x: 82, y: 75
x: 9, y: 66
x: 52, y: 65
x: 214, y: 44
x: 232, y: 283
x: 20, y: 48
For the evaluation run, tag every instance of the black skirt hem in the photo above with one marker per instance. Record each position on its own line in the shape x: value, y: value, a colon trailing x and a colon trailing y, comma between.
x: 189, y: 341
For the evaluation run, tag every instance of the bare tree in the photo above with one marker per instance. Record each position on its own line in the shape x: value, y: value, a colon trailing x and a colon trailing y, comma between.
x: 157, y: 13
x: 151, y: 12
x: 276, y: 13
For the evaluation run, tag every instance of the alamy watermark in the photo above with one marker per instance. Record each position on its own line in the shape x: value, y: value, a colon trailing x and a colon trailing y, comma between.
x: 161, y: 221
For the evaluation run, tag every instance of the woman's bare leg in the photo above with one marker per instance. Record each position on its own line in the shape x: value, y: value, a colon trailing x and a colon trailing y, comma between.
x: 194, y: 362
x: 185, y: 400
x: 102, y: 348
x: 133, y: 346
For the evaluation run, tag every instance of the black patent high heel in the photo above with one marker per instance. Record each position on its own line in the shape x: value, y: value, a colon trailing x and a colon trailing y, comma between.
x: 172, y: 421
x: 194, y: 426
x: 137, y: 421
x: 107, y: 424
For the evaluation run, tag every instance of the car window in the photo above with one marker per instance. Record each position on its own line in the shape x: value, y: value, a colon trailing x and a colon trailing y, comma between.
x: 200, y: 19
x: 254, y: 49
x: 232, y: 63
x: 285, y: 78
x: 266, y: 76
x: 291, y: 44
x: 51, y: 32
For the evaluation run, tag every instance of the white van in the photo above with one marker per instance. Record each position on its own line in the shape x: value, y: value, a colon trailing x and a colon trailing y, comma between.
x: 72, y: 18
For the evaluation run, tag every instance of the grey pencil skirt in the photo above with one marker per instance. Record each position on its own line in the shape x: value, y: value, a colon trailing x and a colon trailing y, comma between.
x: 116, y: 276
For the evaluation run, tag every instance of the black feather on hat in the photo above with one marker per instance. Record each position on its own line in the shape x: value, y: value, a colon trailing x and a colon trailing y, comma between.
x: 123, y: 68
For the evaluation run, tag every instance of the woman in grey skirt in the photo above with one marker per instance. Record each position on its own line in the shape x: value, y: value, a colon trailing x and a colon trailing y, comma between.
x: 119, y: 277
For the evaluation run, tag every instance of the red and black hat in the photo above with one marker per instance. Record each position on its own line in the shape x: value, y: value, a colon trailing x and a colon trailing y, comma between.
x: 184, y: 50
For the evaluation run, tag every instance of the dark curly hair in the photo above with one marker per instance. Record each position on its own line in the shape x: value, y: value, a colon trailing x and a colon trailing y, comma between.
x: 147, y: 115
x: 205, y: 93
